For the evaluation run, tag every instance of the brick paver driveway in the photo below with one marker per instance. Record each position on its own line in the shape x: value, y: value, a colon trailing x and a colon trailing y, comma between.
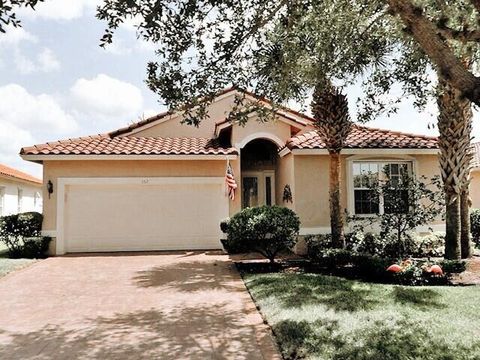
x: 147, y: 306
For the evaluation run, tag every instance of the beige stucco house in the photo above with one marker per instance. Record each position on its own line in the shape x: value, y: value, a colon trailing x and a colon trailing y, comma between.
x: 475, y: 177
x: 158, y: 184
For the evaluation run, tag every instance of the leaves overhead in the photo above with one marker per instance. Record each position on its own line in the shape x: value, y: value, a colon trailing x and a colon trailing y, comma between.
x: 280, y: 48
x: 8, y: 10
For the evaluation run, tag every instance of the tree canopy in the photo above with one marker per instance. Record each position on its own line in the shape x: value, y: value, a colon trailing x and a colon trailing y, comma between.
x: 279, y: 47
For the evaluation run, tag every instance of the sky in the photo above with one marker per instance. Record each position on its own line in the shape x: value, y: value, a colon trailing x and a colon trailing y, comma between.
x: 57, y: 83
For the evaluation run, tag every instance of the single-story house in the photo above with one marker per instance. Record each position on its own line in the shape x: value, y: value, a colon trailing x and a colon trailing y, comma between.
x: 160, y: 185
x: 475, y: 177
x: 19, y: 192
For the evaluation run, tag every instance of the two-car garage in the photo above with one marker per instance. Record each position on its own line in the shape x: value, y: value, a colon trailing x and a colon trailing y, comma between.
x: 134, y: 214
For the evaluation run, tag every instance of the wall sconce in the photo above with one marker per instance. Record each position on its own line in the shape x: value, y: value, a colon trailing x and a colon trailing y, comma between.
x: 49, y: 188
x: 287, y: 194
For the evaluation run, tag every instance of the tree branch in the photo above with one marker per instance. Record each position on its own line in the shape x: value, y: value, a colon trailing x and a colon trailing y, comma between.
x: 476, y: 4
x: 460, y: 35
x: 426, y: 33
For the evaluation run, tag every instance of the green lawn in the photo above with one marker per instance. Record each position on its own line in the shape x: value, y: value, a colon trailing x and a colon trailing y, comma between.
x: 325, y: 317
x: 9, y: 265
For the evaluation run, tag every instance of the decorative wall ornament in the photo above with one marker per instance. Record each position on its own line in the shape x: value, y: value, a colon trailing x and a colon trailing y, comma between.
x: 287, y: 194
x: 49, y: 188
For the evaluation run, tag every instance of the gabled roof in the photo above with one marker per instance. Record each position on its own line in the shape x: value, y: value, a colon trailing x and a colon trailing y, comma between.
x: 15, y: 174
x: 286, y: 112
x: 476, y: 155
x: 363, y: 137
x: 129, y: 145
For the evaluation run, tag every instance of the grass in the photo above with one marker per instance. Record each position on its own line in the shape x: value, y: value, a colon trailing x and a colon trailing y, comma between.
x: 8, y: 265
x: 324, y: 317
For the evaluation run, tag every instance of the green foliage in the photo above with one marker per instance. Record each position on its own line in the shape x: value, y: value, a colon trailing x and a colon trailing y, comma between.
x: 279, y: 49
x: 8, y: 9
x: 224, y: 225
x: 369, y: 255
x: 475, y: 226
x: 453, y: 266
x: 21, y: 233
x: 383, y: 246
x: 409, y: 203
x: 310, y: 319
x: 264, y: 229
x: 431, y: 245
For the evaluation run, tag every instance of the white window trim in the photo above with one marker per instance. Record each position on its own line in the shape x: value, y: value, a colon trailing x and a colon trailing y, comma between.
x: 349, y: 177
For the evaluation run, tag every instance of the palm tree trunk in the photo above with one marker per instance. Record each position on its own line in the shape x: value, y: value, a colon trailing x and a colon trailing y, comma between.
x: 465, y: 235
x: 454, y: 125
x: 336, y: 216
x: 453, y: 226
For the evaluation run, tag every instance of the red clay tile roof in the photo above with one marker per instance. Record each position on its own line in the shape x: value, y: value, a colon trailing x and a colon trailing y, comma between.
x: 476, y: 155
x: 17, y: 174
x: 126, y: 145
x: 362, y: 137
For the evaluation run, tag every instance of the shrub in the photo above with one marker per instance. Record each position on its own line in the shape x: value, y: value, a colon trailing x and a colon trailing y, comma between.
x: 265, y: 229
x: 21, y: 233
x: 224, y: 225
x: 453, y: 266
x: 366, y: 243
x: 336, y: 258
x: 317, y: 245
x: 372, y: 267
x: 475, y: 226
x: 431, y: 245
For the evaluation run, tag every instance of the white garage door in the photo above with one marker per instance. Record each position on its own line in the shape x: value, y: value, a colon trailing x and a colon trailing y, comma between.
x: 144, y: 214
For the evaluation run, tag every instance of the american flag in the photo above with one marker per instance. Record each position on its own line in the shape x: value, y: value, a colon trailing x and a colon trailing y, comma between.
x: 230, y: 183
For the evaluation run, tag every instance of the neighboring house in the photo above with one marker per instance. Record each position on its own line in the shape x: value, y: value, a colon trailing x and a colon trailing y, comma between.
x: 475, y: 177
x: 19, y: 192
x: 159, y: 185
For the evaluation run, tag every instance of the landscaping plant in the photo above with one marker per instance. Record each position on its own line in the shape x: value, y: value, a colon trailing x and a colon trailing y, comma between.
x: 21, y: 233
x: 408, y: 204
x: 265, y: 229
x: 475, y: 226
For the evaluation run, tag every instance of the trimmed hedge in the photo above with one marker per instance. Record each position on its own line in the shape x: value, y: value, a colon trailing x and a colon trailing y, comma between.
x: 265, y: 229
x: 21, y: 233
x: 356, y: 262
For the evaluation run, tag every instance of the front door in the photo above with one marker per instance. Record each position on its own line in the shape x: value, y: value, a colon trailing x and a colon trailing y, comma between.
x: 258, y: 188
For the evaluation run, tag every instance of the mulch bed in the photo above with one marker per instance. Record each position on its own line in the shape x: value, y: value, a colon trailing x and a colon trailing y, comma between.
x: 471, y: 276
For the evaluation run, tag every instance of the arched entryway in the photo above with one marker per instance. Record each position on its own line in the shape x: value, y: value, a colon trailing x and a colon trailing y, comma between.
x: 259, y: 159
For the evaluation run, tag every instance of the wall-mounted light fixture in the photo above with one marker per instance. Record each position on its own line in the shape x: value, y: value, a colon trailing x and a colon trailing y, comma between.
x: 287, y: 194
x: 49, y: 188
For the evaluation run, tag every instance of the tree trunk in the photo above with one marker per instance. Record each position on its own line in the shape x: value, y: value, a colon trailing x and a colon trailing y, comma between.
x: 452, y: 219
x: 336, y: 216
x: 454, y: 125
x: 449, y: 66
x: 465, y: 234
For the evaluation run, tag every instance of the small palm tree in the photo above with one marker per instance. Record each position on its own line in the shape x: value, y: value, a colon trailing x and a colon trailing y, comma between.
x: 455, y: 126
x: 332, y: 120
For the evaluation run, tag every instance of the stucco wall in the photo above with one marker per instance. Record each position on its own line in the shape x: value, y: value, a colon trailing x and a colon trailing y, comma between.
x: 284, y: 176
x: 275, y: 128
x: 312, y: 182
x: 52, y: 170
x: 475, y: 189
x: 10, y: 196
x: 311, y: 189
x: 217, y: 112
